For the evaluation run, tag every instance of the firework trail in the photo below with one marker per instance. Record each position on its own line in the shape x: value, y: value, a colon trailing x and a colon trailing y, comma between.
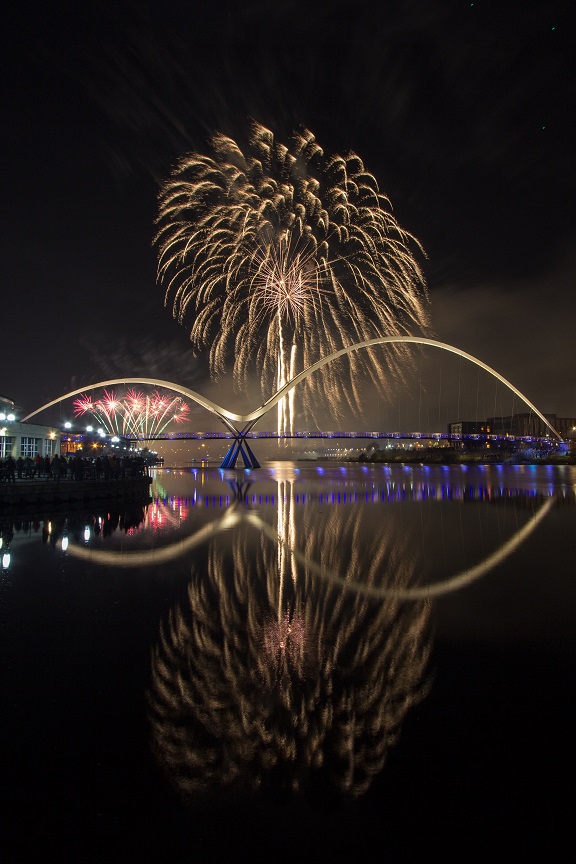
x: 281, y: 256
x: 134, y: 414
x: 259, y: 681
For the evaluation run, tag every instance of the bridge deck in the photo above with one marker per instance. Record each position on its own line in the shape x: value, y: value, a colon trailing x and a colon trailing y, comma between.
x: 427, y: 436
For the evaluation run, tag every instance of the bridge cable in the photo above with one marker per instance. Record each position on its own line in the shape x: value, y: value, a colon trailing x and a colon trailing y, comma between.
x: 459, y: 382
x: 477, y: 394
x: 440, y: 392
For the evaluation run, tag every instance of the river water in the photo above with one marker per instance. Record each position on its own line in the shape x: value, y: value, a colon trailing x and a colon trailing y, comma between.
x: 305, y: 660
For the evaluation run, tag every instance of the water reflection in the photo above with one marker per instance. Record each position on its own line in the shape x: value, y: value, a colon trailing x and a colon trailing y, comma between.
x: 6, y: 536
x: 267, y: 676
x: 53, y: 526
x: 166, y: 514
x: 331, y: 573
x: 173, y: 525
x: 276, y: 628
x: 271, y: 677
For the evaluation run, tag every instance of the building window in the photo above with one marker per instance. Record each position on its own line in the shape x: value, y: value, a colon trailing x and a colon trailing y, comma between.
x: 49, y: 447
x: 5, y: 446
x: 29, y: 446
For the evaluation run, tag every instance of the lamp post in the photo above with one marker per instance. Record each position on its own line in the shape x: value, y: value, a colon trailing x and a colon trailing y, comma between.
x: 5, y: 418
x: 66, y: 438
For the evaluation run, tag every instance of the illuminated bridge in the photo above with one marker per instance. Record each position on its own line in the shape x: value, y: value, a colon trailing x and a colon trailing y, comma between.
x: 240, y: 426
x: 378, y: 436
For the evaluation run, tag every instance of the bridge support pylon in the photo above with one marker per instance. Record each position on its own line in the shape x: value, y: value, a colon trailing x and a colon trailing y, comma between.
x: 240, y: 448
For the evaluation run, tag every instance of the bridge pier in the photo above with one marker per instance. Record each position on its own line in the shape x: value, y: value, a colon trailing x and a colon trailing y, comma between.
x: 240, y: 447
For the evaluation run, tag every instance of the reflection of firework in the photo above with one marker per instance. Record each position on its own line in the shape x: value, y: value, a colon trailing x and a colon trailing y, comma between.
x: 285, y: 636
x: 283, y: 256
x: 257, y: 683
x: 134, y: 414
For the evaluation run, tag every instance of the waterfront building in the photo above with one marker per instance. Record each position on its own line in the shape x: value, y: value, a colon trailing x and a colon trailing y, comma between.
x: 481, y: 428
x: 25, y: 439
x: 529, y: 425
x: 470, y: 427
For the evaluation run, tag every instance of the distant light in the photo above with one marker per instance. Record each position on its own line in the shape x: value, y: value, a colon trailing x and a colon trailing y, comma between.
x: 115, y: 439
x: 64, y: 544
x: 2, y: 416
x: 67, y: 425
x: 89, y: 428
x: 11, y: 417
x: 86, y: 533
x: 6, y: 560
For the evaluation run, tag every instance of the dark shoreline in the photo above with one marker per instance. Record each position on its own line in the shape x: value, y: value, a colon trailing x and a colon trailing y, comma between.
x: 24, y: 492
x: 453, y: 457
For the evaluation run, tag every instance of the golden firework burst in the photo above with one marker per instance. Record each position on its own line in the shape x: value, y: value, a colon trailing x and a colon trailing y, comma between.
x: 278, y: 256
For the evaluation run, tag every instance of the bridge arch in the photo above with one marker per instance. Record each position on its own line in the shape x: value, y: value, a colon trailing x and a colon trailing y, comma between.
x: 226, y: 417
x: 384, y: 340
x: 247, y: 421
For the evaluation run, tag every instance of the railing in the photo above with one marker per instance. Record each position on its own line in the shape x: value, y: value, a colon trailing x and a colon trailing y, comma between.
x: 426, y: 436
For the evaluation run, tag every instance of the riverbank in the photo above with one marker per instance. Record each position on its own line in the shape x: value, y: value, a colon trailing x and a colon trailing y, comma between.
x: 36, y: 492
x: 450, y: 456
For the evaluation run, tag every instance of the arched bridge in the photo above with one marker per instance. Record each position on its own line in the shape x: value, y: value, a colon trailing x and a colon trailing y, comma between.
x: 246, y: 422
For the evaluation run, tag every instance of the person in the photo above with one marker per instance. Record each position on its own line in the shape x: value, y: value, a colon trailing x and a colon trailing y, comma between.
x: 28, y: 467
x: 10, y: 469
x: 55, y: 467
x: 64, y: 464
x: 19, y: 467
x: 39, y: 465
x: 77, y: 467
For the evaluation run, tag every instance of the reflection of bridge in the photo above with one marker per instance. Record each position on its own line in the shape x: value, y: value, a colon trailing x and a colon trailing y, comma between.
x: 240, y: 436
x: 238, y: 511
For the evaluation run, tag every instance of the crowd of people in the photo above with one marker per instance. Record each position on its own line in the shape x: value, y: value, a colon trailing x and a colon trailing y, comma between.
x: 74, y: 466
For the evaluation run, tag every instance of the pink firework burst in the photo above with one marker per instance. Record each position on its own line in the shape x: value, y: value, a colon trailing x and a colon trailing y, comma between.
x: 110, y: 404
x: 158, y: 403
x: 135, y: 400
x: 83, y: 405
x: 134, y: 413
x: 181, y: 412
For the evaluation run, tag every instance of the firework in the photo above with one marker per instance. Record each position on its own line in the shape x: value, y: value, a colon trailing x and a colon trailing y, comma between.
x: 134, y: 414
x: 282, y: 256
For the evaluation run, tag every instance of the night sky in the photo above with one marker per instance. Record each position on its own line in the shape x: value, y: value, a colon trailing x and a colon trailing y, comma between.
x: 463, y: 111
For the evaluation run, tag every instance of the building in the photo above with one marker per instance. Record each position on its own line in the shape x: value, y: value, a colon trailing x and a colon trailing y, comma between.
x: 529, y: 425
x: 474, y: 431
x: 25, y: 439
x: 470, y: 427
x: 91, y: 441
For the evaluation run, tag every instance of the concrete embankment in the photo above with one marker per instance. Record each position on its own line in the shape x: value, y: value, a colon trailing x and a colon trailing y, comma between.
x: 39, y: 492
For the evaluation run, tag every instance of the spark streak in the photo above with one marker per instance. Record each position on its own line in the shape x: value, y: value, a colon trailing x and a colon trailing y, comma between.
x: 135, y: 414
x: 280, y: 256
